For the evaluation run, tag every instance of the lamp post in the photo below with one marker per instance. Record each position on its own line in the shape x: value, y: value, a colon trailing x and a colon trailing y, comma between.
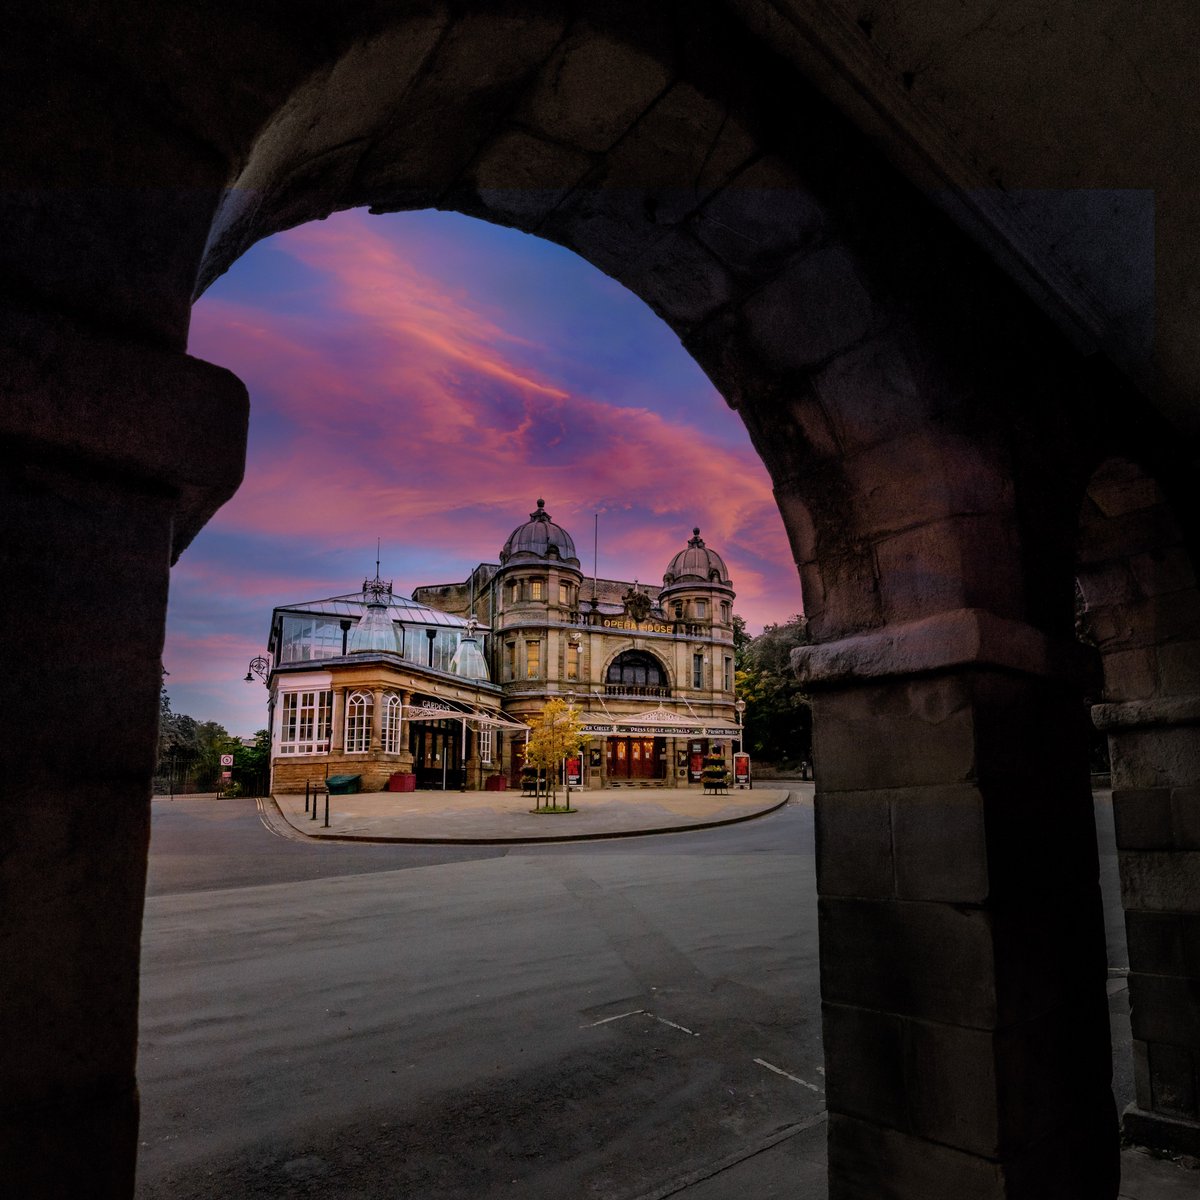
x: 739, y: 706
x: 567, y: 769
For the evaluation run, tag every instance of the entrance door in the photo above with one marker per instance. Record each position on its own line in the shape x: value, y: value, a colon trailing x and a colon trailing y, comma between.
x: 634, y: 758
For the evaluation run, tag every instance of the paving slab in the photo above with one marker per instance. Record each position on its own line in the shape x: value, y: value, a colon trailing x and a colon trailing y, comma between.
x: 490, y: 817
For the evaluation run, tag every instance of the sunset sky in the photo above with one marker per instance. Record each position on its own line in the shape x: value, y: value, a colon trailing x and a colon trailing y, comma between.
x: 423, y: 378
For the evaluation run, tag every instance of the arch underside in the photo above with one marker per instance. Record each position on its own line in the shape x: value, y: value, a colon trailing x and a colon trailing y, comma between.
x: 930, y: 442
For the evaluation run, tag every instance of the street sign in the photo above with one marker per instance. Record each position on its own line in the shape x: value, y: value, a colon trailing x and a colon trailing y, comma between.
x: 227, y: 760
x: 226, y: 774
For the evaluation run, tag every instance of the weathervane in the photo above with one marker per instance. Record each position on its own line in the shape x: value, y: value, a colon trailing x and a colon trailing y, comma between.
x: 376, y: 592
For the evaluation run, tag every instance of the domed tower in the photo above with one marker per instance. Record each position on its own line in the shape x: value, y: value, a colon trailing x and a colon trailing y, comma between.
x: 537, y: 593
x: 539, y: 566
x: 697, y: 590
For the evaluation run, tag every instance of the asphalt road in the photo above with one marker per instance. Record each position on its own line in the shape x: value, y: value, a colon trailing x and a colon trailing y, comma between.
x: 609, y: 1019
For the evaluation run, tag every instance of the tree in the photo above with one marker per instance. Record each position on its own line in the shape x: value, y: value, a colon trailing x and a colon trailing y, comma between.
x: 741, y: 641
x: 778, y: 717
x: 556, y: 734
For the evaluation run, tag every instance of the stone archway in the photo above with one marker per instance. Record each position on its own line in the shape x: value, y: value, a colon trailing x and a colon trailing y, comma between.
x: 917, y: 422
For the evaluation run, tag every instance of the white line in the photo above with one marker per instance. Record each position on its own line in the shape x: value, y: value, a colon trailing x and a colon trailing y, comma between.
x: 793, y: 1078
x: 633, y: 1012
x: 672, y: 1024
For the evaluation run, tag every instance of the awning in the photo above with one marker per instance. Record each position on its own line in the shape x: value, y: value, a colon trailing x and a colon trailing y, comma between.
x: 473, y: 716
x: 660, y: 722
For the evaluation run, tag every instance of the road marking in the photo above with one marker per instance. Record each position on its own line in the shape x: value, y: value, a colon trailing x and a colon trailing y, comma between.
x: 672, y: 1024
x: 762, y: 1062
x: 633, y: 1012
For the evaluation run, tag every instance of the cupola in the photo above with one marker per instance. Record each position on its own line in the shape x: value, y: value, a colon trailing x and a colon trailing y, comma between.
x: 539, y: 539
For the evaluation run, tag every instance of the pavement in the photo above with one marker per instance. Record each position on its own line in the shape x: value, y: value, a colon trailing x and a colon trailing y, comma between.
x: 506, y: 817
x: 789, y: 1159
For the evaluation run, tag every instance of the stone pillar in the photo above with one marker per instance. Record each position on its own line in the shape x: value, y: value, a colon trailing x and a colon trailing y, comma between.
x: 1155, y: 748
x: 1138, y: 578
x: 337, y: 740
x: 376, y: 721
x: 961, y: 931
x: 405, y: 758
x: 113, y: 457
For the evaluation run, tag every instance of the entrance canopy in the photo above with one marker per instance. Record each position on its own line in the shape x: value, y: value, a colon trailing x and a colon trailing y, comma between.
x: 661, y: 722
x: 474, y: 717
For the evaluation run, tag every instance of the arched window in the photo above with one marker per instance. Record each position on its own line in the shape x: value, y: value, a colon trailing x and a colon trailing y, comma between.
x: 391, y: 723
x: 636, y: 673
x: 358, y: 722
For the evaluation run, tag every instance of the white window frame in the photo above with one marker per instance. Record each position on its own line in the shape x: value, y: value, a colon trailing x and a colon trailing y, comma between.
x: 485, y: 745
x: 305, y: 719
x: 359, y: 707
x: 390, y: 721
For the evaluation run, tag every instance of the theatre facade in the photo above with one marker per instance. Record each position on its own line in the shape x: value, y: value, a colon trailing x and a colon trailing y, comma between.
x: 439, y: 691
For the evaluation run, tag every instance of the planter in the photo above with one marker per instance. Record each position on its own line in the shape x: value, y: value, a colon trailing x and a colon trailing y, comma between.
x: 401, y: 781
x: 495, y: 783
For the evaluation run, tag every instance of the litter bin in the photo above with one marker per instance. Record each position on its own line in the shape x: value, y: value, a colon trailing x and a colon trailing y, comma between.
x: 343, y: 785
x: 402, y: 781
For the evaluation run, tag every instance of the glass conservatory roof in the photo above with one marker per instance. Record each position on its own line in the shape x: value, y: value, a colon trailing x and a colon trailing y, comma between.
x: 400, y: 609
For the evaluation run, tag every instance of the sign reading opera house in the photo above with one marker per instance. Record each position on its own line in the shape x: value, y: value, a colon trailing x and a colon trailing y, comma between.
x: 437, y: 691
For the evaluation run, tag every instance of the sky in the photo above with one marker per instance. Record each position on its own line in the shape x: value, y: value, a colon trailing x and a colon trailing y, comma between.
x: 422, y: 378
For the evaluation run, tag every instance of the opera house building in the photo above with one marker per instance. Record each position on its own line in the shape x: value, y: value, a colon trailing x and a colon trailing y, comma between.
x: 438, y: 691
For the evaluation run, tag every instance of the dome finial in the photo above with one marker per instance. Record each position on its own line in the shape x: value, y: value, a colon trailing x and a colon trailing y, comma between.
x: 696, y: 539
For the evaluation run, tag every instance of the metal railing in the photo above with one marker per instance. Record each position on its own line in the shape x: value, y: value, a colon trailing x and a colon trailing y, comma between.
x: 636, y: 689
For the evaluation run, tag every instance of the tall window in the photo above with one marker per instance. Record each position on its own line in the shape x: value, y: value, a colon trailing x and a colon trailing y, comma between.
x: 510, y: 660
x: 572, y: 661
x: 729, y: 674
x: 485, y: 745
x: 726, y: 612
x: 304, y: 722
x: 391, y: 716
x: 358, y: 722
x: 697, y: 670
x: 679, y: 610
x: 564, y: 593
x: 533, y: 659
x: 701, y: 608
x: 516, y: 591
x: 537, y: 589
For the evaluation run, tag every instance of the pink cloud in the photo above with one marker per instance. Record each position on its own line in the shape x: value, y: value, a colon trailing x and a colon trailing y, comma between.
x: 404, y: 407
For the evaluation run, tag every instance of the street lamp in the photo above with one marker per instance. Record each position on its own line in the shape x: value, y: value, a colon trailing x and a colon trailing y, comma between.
x: 566, y: 767
x: 739, y: 706
x: 259, y: 667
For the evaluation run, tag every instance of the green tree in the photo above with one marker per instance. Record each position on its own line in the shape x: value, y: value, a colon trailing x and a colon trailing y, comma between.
x: 778, y: 717
x: 556, y: 734
x: 741, y: 641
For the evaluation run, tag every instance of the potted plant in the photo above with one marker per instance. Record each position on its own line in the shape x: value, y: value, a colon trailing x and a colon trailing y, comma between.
x: 714, y: 775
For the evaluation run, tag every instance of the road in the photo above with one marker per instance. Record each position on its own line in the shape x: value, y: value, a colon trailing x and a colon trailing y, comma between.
x: 597, y: 1019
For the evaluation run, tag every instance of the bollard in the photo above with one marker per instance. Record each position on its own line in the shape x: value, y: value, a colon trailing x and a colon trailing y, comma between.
x: 326, y: 808
x: 314, y: 807
x: 306, y: 795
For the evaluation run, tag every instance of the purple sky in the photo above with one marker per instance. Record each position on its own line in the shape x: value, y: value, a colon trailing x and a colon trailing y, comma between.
x: 423, y: 378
